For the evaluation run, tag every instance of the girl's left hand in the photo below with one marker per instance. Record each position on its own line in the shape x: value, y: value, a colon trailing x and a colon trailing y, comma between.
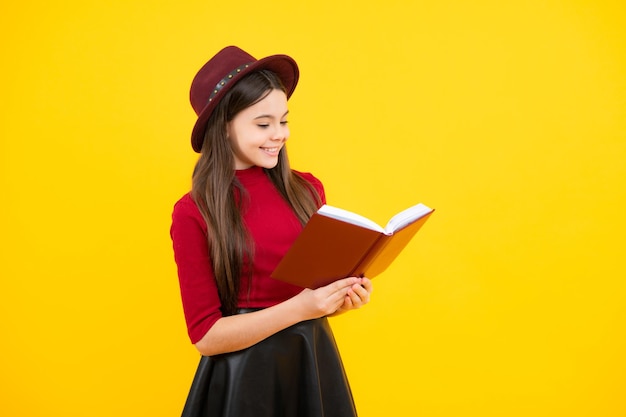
x: 358, y: 295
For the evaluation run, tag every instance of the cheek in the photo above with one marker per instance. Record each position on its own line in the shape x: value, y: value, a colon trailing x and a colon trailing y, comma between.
x: 245, y: 138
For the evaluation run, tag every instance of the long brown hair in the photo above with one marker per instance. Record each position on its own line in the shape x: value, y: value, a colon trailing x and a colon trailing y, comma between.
x: 219, y: 195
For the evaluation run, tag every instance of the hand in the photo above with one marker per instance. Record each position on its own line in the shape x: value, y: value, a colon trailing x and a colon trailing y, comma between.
x: 327, y: 300
x: 357, y: 296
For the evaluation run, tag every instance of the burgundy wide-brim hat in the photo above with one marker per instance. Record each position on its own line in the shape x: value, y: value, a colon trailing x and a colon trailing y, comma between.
x: 222, y: 71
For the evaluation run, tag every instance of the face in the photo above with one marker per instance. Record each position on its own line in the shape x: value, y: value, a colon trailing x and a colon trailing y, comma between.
x: 259, y: 132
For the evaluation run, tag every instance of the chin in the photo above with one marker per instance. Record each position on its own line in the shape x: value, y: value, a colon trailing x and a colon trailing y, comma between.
x: 268, y: 164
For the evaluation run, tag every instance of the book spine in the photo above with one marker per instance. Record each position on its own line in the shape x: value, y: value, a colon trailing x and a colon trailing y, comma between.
x: 386, y: 249
x: 371, y: 255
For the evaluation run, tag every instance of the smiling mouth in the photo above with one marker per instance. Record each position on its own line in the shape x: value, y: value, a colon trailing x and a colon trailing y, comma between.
x: 271, y: 150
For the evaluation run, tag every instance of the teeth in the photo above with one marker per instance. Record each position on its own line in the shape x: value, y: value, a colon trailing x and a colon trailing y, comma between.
x: 271, y: 149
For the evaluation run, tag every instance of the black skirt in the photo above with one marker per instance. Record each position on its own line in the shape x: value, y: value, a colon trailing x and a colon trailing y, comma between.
x: 297, y: 372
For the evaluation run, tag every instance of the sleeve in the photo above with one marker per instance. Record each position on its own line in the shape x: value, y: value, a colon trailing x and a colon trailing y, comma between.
x: 198, y: 289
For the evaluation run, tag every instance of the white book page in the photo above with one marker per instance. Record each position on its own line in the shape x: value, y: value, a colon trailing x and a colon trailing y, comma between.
x: 406, y: 217
x: 349, y: 217
x: 397, y: 222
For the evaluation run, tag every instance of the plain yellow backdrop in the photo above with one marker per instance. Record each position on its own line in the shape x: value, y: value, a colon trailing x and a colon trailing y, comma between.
x: 509, y: 118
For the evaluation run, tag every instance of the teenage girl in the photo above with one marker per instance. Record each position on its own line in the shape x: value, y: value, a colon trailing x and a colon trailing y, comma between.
x: 266, y: 346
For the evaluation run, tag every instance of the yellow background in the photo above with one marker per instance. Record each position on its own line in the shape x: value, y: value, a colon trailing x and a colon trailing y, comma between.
x: 508, y: 117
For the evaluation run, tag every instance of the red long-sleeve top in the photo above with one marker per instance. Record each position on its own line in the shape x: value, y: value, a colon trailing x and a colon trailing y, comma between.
x: 272, y: 225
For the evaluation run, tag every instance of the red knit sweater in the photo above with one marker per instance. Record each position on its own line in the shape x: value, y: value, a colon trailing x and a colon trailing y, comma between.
x: 273, y: 226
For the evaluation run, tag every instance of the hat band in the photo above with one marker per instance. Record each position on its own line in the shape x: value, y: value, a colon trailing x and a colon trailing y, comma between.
x: 227, y: 79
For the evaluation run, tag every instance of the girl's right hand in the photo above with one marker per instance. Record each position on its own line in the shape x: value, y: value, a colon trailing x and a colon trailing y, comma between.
x: 325, y: 300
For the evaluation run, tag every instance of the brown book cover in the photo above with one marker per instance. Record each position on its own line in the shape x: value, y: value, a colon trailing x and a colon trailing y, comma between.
x: 336, y: 244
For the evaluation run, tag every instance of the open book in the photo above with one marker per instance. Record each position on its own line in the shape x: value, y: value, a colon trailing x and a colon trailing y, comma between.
x: 337, y: 243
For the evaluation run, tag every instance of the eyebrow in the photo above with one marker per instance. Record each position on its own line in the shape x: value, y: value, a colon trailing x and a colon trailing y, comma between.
x: 262, y: 116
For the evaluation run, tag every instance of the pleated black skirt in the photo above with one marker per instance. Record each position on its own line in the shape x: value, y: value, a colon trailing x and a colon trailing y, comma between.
x: 295, y: 373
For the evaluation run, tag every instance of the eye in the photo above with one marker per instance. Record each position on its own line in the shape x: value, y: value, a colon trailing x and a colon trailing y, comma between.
x: 284, y: 122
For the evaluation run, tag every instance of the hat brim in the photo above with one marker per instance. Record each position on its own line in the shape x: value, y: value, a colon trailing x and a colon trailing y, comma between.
x: 282, y: 65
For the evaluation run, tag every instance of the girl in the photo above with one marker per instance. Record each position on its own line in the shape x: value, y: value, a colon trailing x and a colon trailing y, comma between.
x: 267, y: 348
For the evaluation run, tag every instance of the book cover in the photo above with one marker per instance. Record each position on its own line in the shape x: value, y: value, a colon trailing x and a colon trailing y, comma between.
x: 335, y: 244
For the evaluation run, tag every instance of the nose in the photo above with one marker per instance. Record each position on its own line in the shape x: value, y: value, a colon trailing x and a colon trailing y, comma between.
x: 281, y: 132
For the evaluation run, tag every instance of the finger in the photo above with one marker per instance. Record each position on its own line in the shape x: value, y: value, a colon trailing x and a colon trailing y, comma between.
x: 347, y: 302
x: 354, y: 299
x: 336, y: 297
x: 367, y: 284
x: 362, y: 293
x: 341, y: 284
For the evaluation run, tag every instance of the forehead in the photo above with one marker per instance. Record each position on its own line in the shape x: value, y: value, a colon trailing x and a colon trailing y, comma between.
x: 273, y: 104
